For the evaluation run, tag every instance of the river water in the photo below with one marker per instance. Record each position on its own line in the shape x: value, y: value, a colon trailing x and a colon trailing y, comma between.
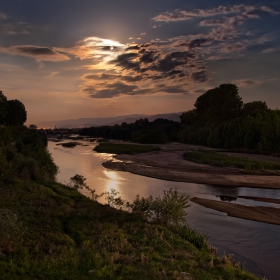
x: 255, y: 244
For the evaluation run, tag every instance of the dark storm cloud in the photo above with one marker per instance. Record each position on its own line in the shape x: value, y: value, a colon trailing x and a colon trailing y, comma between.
x: 39, y: 53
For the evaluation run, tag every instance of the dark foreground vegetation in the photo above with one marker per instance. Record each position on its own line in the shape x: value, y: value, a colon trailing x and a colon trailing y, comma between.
x: 51, y: 231
x: 124, y: 148
x: 220, y: 119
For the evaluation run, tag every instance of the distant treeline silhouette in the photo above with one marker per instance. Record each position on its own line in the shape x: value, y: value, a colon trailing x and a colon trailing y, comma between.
x: 141, y: 131
x: 220, y: 119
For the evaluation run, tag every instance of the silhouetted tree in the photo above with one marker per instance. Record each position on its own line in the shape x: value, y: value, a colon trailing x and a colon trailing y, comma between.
x: 16, y: 114
x: 253, y: 108
x: 3, y: 107
x: 219, y: 104
x: 32, y: 126
x: 190, y: 117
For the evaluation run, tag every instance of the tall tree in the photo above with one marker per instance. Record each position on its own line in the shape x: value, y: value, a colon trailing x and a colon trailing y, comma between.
x: 16, y: 114
x: 219, y: 104
x: 3, y: 107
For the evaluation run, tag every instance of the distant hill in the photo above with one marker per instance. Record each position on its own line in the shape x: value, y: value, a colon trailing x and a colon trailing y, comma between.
x: 87, y: 122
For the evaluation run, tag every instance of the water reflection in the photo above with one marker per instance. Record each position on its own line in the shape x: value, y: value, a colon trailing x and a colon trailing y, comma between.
x: 114, y: 180
x: 226, y: 198
x: 225, y: 190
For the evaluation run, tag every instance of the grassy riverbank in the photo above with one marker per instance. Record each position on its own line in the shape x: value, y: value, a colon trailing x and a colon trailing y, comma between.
x: 218, y: 159
x: 51, y: 231
x: 112, y: 148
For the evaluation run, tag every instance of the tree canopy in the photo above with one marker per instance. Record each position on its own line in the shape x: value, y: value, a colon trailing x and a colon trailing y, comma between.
x: 253, y: 108
x: 3, y: 107
x: 219, y: 104
x: 12, y: 112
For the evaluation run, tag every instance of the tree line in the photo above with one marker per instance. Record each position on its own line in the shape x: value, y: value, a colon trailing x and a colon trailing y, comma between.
x: 159, y: 131
x: 219, y: 119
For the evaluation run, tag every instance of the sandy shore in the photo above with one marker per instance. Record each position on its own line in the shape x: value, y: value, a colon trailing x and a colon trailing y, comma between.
x: 261, y: 214
x: 169, y: 164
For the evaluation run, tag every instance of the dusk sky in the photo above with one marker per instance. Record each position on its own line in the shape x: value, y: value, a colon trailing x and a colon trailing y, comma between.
x: 73, y: 59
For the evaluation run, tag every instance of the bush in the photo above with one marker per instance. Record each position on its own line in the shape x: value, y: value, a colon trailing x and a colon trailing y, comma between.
x: 170, y: 209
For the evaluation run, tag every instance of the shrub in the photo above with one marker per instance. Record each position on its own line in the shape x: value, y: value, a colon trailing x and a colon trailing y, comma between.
x: 170, y: 209
x: 78, y: 182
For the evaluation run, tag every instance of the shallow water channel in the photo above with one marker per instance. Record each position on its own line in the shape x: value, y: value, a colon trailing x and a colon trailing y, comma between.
x: 257, y: 244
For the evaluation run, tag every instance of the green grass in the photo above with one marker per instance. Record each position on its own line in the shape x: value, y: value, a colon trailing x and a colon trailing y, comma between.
x: 217, y: 159
x: 124, y: 148
x: 53, y: 232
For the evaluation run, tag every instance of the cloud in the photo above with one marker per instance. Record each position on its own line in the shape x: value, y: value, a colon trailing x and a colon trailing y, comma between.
x: 10, y: 26
x: 243, y: 83
x: 110, y: 90
x: 194, y: 43
x: 3, y: 16
x: 270, y: 50
x: 211, y: 22
x: 181, y: 15
x: 200, y: 77
x: 39, y: 53
x: 176, y: 65
x: 94, y: 48
x: 159, y: 67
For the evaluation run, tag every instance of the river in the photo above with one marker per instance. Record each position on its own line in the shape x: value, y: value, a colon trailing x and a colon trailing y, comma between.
x: 255, y: 244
